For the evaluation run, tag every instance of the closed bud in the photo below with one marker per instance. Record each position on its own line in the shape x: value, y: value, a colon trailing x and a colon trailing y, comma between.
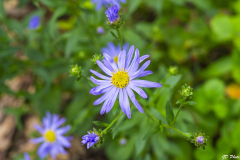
x: 186, y: 91
x: 96, y: 57
x: 75, y: 70
x: 173, y: 70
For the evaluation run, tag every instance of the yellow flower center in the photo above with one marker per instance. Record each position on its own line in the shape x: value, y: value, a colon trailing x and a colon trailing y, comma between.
x: 115, y: 59
x: 50, y: 136
x: 120, y: 79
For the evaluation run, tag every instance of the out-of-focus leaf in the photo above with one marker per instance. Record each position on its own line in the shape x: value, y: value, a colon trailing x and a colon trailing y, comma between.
x: 133, y: 5
x: 236, y: 65
x: 222, y: 27
x: 140, y: 143
x: 118, y: 123
x: 157, y: 5
x: 2, y: 10
x: 180, y: 101
x: 133, y: 38
x: 169, y: 113
x: 190, y: 103
x: 100, y: 124
x: 71, y: 43
x: 151, y: 132
x: 113, y: 34
x: 217, y: 68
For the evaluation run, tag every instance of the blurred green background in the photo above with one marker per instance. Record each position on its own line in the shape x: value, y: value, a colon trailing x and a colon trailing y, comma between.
x: 200, y: 37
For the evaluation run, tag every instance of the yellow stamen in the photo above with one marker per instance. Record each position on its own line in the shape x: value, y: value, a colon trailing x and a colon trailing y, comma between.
x: 115, y: 59
x: 120, y: 79
x: 50, y: 136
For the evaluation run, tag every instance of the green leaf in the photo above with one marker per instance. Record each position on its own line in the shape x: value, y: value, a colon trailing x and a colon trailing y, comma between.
x: 100, y: 124
x: 236, y: 65
x: 217, y: 68
x: 190, y: 103
x: 2, y: 11
x: 151, y: 132
x: 71, y: 44
x: 169, y: 113
x: 113, y: 34
x: 222, y: 27
x: 180, y: 101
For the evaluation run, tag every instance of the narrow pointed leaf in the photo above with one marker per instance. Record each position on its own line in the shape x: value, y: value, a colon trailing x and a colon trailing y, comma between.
x: 113, y: 34
x: 190, y: 103
x: 151, y: 132
x: 179, y: 101
x: 169, y: 113
x: 100, y: 124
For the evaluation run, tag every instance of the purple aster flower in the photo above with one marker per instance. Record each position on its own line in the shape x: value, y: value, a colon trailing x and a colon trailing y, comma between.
x: 100, y: 30
x: 113, y: 51
x: 101, y: 3
x: 52, y: 136
x: 112, y: 13
x: 26, y: 156
x: 200, y: 139
x: 34, y: 22
x: 120, y: 80
x: 90, y: 139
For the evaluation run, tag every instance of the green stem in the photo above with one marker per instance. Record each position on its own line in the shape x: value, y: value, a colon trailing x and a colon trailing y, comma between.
x: 120, y: 37
x: 178, y: 112
x: 164, y: 125
x: 88, y: 80
x: 112, y: 123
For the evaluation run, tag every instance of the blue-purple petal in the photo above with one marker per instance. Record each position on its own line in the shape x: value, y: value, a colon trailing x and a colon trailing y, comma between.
x: 121, y: 102
x: 112, y: 101
x: 99, y: 75
x: 102, y: 98
x: 138, y: 90
x: 39, y: 128
x: 104, y: 69
x: 63, y: 130
x: 144, y: 73
x: 26, y: 156
x: 138, y: 72
x: 133, y: 99
x: 37, y: 140
x: 144, y: 83
x: 111, y: 61
x: 143, y: 58
x: 63, y: 141
x: 121, y: 60
x: 129, y: 56
x: 126, y: 103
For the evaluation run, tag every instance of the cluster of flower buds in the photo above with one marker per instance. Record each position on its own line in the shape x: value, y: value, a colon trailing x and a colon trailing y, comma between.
x: 93, y: 139
x: 186, y: 91
x: 76, y: 70
x: 199, y: 139
x: 96, y: 57
x: 173, y: 70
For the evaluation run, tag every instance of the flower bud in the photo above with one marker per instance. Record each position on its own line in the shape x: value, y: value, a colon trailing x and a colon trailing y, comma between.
x: 114, y: 20
x: 199, y: 139
x: 186, y: 91
x: 173, y: 70
x: 96, y: 57
x: 75, y: 70
x: 93, y: 138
